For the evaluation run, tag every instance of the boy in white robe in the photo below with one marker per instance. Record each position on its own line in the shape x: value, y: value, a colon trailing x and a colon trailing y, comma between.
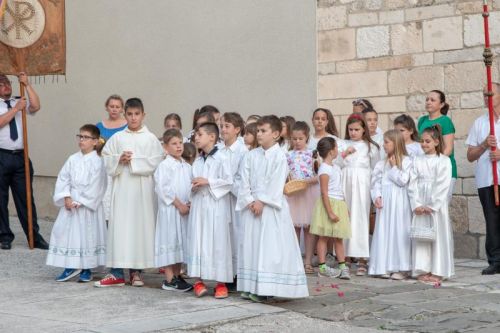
x: 131, y: 157
x: 209, y: 237
x: 231, y: 125
x: 78, y: 239
x: 270, y: 262
x: 173, y: 188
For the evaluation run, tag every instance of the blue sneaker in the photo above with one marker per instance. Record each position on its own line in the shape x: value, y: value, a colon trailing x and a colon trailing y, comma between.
x: 68, y: 274
x: 85, y: 276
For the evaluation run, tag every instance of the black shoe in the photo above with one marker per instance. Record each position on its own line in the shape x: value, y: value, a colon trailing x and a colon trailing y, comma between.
x: 491, y: 269
x: 231, y: 287
x: 41, y: 244
x: 6, y: 246
x: 176, y: 285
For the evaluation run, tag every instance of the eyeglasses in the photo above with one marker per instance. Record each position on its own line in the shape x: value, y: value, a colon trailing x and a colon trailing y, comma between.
x: 84, y: 137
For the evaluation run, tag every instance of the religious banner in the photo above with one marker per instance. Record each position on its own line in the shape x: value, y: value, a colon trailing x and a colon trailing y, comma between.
x: 36, y: 29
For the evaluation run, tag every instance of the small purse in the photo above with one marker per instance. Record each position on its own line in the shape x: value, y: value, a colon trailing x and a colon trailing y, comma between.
x: 423, y: 228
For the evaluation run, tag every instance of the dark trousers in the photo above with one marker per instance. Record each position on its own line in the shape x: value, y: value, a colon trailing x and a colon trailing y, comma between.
x: 492, y: 217
x: 12, y: 175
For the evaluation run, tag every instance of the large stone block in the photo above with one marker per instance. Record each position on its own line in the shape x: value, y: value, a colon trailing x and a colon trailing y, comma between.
x: 429, y: 12
x: 415, y: 103
x: 463, y: 120
x: 326, y: 3
x: 406, y: 38
x: 419, y: 79
x: 423, y: 59
x: 458, y: 187
x: 353, y: 85
x: 472, y: 100
x: 392, y: 62
x: 458, y: 214
x: 482, y: 248
x: 443, y: 34
x: 334, y: 45
x: 468, y: 54
x: 338, y: 107
x: 469, y: 186
x: 373, y: 4
x: 453, y: 101
x: 326, y: 68
x: 477, y: 224
x: 389, y: 104
x: 470, y: 7
x: 466, y: 246
x: 462, y: 77
x: 391, y: 17
x: 372, y: 41
x: 362, y: 19
x: 352, y: 66
x: 474, y: 29
x: 465, y: 168
x: 394, y: 4
x: 331, y: 17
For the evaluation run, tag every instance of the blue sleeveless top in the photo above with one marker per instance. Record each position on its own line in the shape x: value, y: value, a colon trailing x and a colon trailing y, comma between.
x: 106, y: 133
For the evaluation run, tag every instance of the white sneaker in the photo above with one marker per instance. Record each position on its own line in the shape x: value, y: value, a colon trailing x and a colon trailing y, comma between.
x: 329, y: 272
x: 345, y: 274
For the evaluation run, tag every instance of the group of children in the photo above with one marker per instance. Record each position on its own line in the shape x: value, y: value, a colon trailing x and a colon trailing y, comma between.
x: 213, y: 202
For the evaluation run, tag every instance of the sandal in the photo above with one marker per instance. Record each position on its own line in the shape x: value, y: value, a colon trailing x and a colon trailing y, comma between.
x: 361, y: 271
x: 308, y: 269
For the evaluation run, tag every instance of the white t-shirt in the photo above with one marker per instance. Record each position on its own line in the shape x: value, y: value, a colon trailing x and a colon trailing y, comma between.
x: 335, y: 180
x: 5, y: 140
x: 477, y: 134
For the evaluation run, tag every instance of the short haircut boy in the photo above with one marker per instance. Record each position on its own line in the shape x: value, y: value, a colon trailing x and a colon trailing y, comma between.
x: 134, y: 102
x: 273, y: 121
x: 210, y: 128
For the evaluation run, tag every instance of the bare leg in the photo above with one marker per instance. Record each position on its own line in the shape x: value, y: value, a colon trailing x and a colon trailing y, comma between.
x: 309, y: 245
x: 169, y: 273
x: 339, y: 249
x: 321, y: 248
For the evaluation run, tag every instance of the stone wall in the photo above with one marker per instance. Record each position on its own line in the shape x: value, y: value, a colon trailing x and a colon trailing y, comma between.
x: 393, y: 52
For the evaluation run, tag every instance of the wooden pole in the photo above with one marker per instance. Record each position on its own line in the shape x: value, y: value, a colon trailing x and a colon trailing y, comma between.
x: 488, y: 61
x: 20, y: 62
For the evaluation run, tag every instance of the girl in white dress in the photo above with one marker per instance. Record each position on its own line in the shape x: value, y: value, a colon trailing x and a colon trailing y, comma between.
x: 270, y: 263
x: 371, y: 119
x: 173, y: 187
x: 430, y: 180
x: 78, y: 239
x: 301, y: 164
x: 358, y: 159
x: 324, y: 125
x: 390, y: 252
x: 406, y: 126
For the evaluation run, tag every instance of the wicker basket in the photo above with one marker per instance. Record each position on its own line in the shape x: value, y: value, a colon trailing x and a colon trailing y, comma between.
x: 294, y: 186
x: 423, y: 228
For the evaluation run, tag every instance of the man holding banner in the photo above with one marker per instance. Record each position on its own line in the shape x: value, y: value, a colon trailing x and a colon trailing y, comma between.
x: 12, y: 173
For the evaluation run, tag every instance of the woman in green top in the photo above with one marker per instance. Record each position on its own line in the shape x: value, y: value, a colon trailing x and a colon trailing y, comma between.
x: 436, y: 106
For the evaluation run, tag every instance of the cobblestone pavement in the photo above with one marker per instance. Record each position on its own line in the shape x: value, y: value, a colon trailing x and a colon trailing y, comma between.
x: 33, y: 302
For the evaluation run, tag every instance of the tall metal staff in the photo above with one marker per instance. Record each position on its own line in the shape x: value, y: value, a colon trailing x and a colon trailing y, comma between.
x: 488, y: 61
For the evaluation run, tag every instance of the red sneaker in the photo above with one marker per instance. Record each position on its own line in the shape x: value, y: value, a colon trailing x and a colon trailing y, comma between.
x: 200, y: 289
x: 110, y: 281
x: 221, y: 291
x: 161, y: 271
